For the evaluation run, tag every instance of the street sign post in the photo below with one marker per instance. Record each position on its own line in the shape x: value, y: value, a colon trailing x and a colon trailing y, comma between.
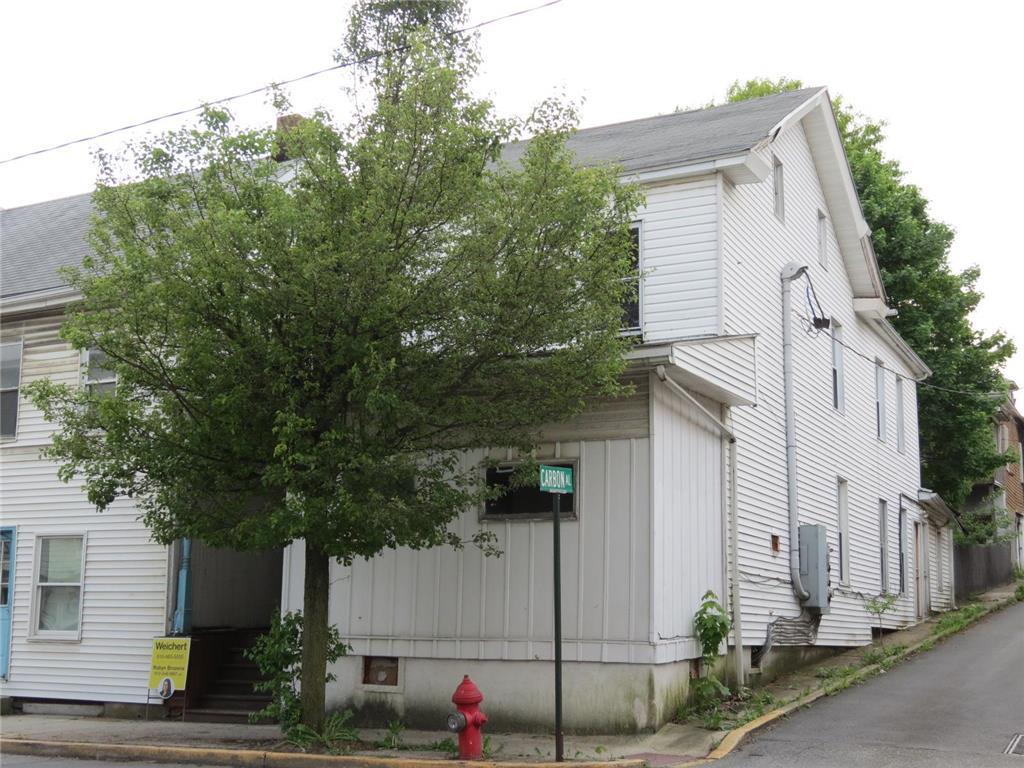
x: 557, y: 481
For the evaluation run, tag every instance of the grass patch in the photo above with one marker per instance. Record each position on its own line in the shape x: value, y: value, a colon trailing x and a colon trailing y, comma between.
x: 884, y: 655
x: 957, y: 620
x: 833, y: 673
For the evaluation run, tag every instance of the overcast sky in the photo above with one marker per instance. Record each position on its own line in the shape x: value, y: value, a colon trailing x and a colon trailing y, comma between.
x: 943, y: 76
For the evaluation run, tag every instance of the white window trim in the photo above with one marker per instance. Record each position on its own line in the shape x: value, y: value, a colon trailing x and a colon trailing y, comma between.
x: 880, y: 410
x: 35, y: 634
x: 822, y: 239
x: 546, y: 516
x: 838, y: 384
x: 778, y: 189
x: 21, y: 375
x: 901, y: 436
x: 638, y: 225
x: 843, y: 528
x: 86, y: 381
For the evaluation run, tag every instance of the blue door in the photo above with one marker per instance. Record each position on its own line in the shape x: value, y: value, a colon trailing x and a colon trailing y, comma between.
x: 6, y: 595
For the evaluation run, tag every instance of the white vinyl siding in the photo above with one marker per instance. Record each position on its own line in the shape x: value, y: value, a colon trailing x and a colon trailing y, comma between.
x: 831, y: 443
x: 124, y: 592
x: 679, y: 255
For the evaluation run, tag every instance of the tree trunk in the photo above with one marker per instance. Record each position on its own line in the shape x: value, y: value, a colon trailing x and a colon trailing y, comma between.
x: 314, y: 637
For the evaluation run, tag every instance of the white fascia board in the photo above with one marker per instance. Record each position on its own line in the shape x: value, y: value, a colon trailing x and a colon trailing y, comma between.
x: 38, y: 300
x: 899, y: 345
x: 745, y: 168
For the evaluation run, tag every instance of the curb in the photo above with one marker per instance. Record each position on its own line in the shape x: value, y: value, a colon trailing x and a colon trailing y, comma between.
x: 736, y: 736
x: 247, y: 758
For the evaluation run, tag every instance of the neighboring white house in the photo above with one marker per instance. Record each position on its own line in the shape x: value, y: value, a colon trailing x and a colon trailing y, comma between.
x: 734, y: 194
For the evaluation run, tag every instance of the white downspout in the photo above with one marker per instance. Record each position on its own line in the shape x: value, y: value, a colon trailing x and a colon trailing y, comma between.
x: 790, y: 272
x: 734, y: 592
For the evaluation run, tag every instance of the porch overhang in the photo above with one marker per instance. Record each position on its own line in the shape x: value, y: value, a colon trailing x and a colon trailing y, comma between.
x: 723, y: 368
x: 938, y: 511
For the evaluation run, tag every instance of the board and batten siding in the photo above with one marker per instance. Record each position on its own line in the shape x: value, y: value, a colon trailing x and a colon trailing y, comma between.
x: 831, y: 443
x: 125, y: 581
x: 687, y: 511
x: 679, y: 259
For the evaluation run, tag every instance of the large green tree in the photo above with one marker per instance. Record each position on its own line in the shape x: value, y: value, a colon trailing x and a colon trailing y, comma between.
x: 956, y: 405
x: 307, y: 350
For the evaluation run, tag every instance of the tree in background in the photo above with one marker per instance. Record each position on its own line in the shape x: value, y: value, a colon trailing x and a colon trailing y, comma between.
x: 306, y: 351
x: 934, y: 304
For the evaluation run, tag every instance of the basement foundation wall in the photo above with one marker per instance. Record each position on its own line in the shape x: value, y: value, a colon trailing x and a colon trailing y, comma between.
x: 518, y: 695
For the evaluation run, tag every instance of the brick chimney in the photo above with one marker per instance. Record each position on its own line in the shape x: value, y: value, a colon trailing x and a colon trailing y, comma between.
x: 285, y: 123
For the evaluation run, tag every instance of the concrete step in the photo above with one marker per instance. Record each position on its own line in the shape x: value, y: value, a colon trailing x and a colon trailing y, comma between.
x: 221, y: 715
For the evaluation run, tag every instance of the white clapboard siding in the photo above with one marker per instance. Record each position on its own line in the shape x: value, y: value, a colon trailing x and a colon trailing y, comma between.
x: 441, y: 603
x: 125, y: 578
x: 831, y: 444
x: 679, y: 260
x: 687, y: 510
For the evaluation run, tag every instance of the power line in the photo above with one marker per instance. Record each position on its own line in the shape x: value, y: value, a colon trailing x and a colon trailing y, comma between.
x: 254, y: 91
x: 875, y: 361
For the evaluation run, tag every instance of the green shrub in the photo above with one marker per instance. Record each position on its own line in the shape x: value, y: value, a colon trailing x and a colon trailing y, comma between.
x: 1019, y: 592
x: 278, y: 654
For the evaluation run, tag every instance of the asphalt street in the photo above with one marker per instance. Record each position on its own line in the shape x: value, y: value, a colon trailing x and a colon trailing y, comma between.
x: 959, y: 704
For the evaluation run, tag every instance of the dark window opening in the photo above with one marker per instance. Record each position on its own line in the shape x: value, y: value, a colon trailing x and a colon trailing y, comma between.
x: 631, y: 305
x: 380, y: 670
x: 527, y: 501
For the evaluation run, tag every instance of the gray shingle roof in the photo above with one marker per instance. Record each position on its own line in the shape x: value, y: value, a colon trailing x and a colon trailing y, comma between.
x: 680, y: 137
x: 36, y: 240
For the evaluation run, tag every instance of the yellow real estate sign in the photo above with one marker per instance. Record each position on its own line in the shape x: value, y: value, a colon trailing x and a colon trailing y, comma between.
x: 168, y: 668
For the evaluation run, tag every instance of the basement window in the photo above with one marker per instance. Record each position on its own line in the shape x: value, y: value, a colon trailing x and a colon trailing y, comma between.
x: 380, y: 670
x: 527, y: 502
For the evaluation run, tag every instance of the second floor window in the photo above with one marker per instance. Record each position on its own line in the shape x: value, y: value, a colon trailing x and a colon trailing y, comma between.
x: 631, y: 306
x: 822, y: 240
x: 837, y: 366
x: 10, y: 381
x: 879, y: 400
x: 901, y: 438
x: 99, y: 379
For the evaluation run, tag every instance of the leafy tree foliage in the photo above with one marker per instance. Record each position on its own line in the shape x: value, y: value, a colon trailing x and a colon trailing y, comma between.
x: 934, y: 302
x: 307, y: 350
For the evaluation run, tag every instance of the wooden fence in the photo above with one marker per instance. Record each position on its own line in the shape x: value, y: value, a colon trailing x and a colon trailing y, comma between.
x: 979, y: 567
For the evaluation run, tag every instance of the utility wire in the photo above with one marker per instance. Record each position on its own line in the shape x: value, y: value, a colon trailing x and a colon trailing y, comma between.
x: 253, y: 91
x: 874, y: 361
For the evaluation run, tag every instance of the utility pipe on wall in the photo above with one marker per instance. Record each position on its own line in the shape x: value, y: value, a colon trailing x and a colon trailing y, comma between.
x: 734, y: 593
x: 791, y: 272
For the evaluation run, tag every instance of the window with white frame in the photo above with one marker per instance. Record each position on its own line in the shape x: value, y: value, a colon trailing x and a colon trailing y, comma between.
x: 879, y: 400
x: 822, y: 240
x: 901, y: 438
x: 10, y: 381
x: 631, y: 307
x: 837, y: 366
x: 60, y: 565
x: 99, y: 379
x: 843, y: 502
x: 903, y: 549
x: 524, y: 500
x: 778, y: 188
x: 883, y: 543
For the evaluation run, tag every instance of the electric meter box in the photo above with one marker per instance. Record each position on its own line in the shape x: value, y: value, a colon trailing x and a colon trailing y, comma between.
x: 814, y: 567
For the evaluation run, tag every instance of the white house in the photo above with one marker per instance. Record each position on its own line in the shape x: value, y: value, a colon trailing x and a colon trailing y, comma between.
x: 686, y: 485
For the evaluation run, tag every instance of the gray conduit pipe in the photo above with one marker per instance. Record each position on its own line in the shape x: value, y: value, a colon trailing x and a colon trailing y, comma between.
x: 734, y: 593
x: 791, y: 272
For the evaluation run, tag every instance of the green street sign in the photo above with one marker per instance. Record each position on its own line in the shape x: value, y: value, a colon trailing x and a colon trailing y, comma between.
x: 555, y: 479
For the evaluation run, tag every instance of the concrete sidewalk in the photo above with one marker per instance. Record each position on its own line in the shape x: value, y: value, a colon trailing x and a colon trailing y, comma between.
x: 674, y: 744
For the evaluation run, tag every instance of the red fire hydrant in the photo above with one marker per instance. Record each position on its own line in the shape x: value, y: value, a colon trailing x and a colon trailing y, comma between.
x: 469, y: 720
